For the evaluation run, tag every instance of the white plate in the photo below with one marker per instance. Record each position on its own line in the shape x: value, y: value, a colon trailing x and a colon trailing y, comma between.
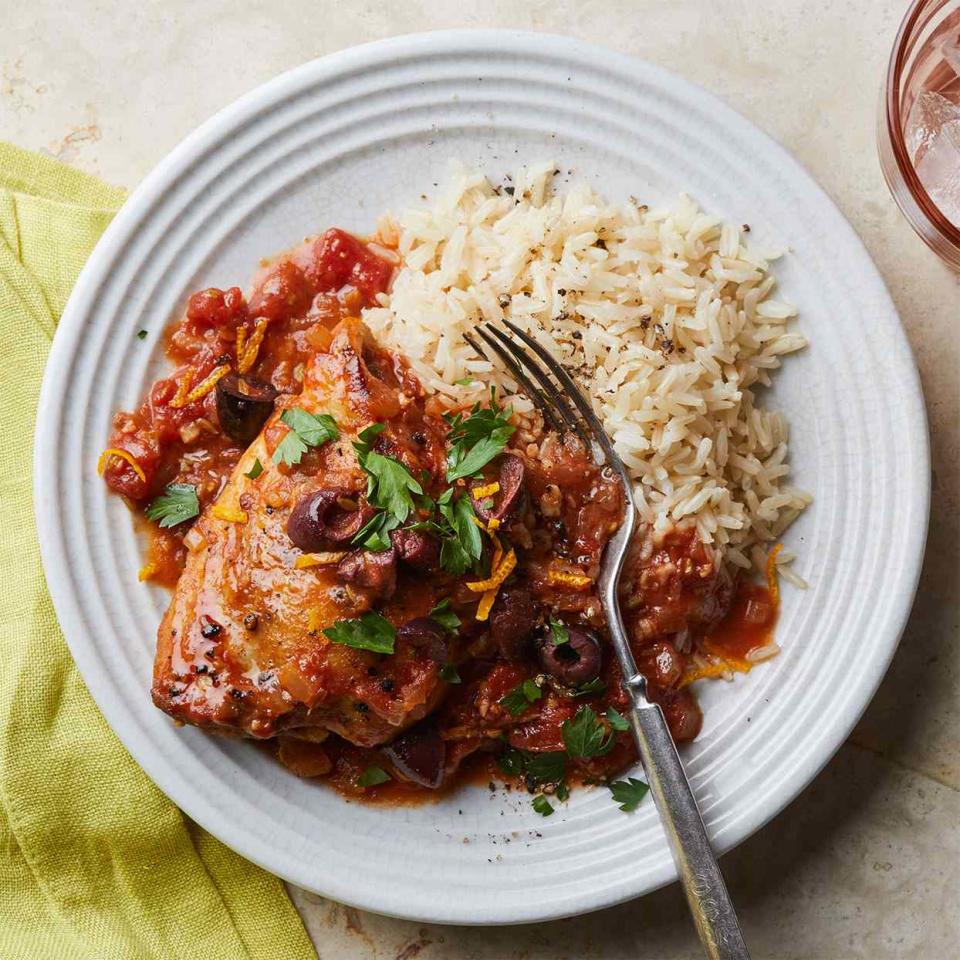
x: 337, y: 142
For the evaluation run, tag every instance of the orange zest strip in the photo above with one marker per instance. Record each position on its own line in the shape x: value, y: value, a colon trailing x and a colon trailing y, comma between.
x: 497, y: 553
x: 121, y: 455
x: 576, y: 580
x: 319, y: 559
x: 202, y: 388
x: 492, y: 525
x: 147, y: 571
x: 183, y: 388
x: 721, y: 666
x: 486, y: 491
x: 232, y: 514
x: 252, y: 347
x: 500, y: 573
x: 486, y: 604
x: 772, y: 584
x: 707, y: 672
x: 241, y: 340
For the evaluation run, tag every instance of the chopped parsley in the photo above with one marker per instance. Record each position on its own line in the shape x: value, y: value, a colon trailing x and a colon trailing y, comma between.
x: 372, y: 776
x: 461, y: 546
x: 542, y: 805
x: 547, y: 767
x: 369, y: 632
x: 177, y: 503
x: 563, y: 793
x: 365, y: 440
x: 595, y: 686
x: 511, y: 762
x: 628, y: 793
x: 141, y: 334
x: 306, y: 430
x: 558, y: 632
x: 448, y: 674
x: 390, y: 485
x: 517, y: 700
x: 476, y: 439
x: 255, y: 470
x: 464, y: 381
x: 390, y: 489
x: 585, y: 736
x: 616, y: 720
x: 375, y: 533
x: 443, y: 615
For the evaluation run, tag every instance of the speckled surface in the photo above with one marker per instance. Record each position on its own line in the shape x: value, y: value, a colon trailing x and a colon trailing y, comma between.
x: 867, y: 862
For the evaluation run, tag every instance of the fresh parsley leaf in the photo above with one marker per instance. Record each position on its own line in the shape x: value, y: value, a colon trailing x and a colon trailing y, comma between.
x: 542, y: 805
x: 445, y: 616
x: 628, y: 793
x: 390, y: 485
x: 558, y: 632
x: 465, y: 381
x: 290, y: 449
x: 585, y: 736
x: 306, y: 430
x: 477, y: 439
x: 141, y: 334
x: 563, y: 792
x: 466, y: 463
x: 370, y: 632
x: 365, y: 440
x: 313, y: 429
x: 616, y: 720
x: 177, y: 503
x: 547, y: 767
x: 511, y: 762
x: 448, y: 674
x: 372, y: 776
x: 461, y: 544
x: 514, y: 702
x: 517, y: 700
x: 453, y: 558
x: 595, y: 686
x: 255, y: 470
x: 375, y: 533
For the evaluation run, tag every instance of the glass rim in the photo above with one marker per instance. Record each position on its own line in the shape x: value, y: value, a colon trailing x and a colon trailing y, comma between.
x: 916, y: 18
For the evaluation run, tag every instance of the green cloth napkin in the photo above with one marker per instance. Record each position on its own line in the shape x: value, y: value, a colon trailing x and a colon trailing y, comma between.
x: 95, y: 862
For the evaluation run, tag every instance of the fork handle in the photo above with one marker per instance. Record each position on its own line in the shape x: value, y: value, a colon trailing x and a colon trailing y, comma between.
x: 706, y: 892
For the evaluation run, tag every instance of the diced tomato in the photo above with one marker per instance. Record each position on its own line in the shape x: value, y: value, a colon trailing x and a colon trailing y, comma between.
x: 284, y: 292
x: 215, y: 308
x: 119, y: 474
x: 340, y: 259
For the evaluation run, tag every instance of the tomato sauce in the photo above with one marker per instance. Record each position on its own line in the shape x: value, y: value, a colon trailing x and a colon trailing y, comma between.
x: 680, y: 605
x: 302, y: 295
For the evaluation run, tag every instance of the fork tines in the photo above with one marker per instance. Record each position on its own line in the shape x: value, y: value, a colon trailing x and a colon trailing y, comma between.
x: 551, y: 395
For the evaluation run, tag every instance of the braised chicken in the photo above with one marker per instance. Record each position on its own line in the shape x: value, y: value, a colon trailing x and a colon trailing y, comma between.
x: 387, y: 585
x: 242, y: 647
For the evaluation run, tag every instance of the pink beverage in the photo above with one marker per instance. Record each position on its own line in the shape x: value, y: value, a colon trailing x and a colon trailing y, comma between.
x: 933, y: 121
x: 919, y: 126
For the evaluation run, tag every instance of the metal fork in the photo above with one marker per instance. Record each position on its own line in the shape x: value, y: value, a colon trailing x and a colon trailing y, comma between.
x: 713, y: 911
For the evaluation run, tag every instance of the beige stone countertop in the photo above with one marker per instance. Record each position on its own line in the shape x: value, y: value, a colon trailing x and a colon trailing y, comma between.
x: 866, y: 863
